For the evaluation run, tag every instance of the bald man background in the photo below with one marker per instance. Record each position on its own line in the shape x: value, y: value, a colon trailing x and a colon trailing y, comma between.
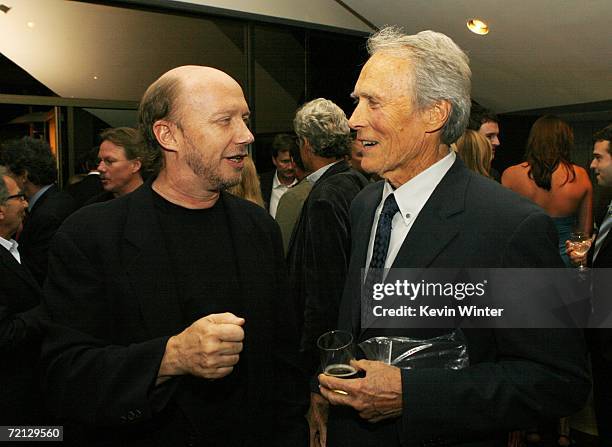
x: 168, y: 306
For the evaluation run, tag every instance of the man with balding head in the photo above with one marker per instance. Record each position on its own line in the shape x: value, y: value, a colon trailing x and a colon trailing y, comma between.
x: 168, y: 307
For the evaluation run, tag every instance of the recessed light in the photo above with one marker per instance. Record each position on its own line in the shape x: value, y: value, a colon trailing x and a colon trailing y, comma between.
x: 31, y: 24
x: 477, y: 26
x: 95, y: 77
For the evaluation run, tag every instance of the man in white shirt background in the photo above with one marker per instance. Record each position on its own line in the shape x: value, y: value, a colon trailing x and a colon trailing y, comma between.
x: 277, y: 182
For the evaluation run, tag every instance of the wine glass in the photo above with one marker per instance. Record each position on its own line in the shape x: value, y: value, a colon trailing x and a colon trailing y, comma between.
x: 581, y: 244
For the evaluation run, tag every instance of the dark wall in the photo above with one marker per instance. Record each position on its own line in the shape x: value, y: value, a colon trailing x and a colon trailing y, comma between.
x: 334, y: 63
x: 326, y: 66
x: 514, y: 131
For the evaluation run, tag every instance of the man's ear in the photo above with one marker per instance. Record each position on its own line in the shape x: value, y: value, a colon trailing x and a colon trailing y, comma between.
x: 22, y: 178
x: 136, y: 165
x: 165, y: 133
x: 437, y: 115
x: 307, y: 145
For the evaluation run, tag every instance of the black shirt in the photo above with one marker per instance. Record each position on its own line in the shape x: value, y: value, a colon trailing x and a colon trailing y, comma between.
x: 203, y: 258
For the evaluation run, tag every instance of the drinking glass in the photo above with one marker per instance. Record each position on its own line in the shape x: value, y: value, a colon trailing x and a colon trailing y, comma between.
x: 581, y: 244
x: 337, y: 351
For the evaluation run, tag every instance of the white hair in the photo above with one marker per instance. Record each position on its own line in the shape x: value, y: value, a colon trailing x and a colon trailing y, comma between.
x: 441, y: 72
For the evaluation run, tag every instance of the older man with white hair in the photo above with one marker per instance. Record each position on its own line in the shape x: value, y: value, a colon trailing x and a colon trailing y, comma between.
x: 413, y: 101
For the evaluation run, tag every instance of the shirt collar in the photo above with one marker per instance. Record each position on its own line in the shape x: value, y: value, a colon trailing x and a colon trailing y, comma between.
x: 37, y: 196
x: 312, y: 178
x: 412, y: 195
x: 276, y: 182
x: 9, y: 244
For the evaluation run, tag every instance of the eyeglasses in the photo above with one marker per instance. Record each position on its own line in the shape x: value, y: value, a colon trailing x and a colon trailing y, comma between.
x: 21, y: 196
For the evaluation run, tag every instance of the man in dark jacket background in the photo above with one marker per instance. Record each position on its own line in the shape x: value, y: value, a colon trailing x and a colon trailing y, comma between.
x: 319, y: 249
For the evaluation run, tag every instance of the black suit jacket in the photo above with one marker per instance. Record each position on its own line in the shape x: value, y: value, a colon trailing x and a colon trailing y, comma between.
x: 515, y: 377
x: 42, y: 222
x: 20, y: 334
x: 84, y: 190
x: 113, y: 304
x: 318, y: 254
x: 600, y: 340
x: 265, y: 182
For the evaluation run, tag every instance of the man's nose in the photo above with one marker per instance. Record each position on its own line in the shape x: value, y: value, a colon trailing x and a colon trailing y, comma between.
x: 245, y: 137
x: 356, y: 120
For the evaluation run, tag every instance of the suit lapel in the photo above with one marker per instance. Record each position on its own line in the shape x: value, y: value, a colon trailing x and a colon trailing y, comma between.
x: 605, y: 247
x: 241, y: 228
x: 435, y: 227
x: 19, y: 269
x: 360, y: 234
x: 146, y: 257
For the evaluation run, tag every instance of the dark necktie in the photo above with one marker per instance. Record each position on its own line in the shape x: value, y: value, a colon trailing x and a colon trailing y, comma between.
x: 380, y: 249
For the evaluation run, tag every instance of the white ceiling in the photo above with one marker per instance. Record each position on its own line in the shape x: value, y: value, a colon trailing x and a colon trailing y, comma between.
x: 540, y: 53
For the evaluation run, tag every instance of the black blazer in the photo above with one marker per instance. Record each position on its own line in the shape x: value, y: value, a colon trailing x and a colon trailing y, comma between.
x: 318, y: 254
x: 265, y: 182
x: 600, y: 340
x: 113, y: 305
x: 42, y: 222
x: 20, y: 334
x: 515, y: 377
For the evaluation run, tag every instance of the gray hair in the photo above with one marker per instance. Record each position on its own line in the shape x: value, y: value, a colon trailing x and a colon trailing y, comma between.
x: 4, y: 192
x: 441, y: 72
x: 325, y: 126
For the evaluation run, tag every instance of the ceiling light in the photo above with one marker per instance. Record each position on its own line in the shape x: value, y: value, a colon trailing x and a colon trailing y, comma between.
x: 31, y: 24
x: 477, y: 26
x: 95, y: 77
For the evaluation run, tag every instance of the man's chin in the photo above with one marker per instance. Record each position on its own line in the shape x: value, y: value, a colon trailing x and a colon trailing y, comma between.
x: 603, y: 182
x: 370, y: 168
x: 228, y: 182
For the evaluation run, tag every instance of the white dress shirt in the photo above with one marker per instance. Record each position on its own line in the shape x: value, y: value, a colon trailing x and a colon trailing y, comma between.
x: 411, y: 197
x: 278, y: 189
x: 11, y: 245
